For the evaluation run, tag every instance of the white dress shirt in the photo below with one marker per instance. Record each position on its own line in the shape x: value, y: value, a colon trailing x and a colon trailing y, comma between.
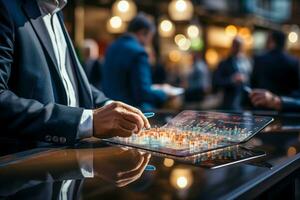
x: 49, y: 9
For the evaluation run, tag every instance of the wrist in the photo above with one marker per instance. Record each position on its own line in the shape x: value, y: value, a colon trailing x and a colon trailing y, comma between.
x: 277, y: 103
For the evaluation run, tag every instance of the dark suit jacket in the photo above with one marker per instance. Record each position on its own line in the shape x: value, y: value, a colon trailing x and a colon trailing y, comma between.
x: 93, y: 70
x: 127, y: 74
x: 276, y: 71
x: 32, y: 96
x: 223, y: 79
x: 27, y: 180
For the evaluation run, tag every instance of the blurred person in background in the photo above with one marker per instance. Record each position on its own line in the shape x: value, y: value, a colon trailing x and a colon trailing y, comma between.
x: 232, y: 75
x: 276, y: 71
x: 199, y: 79
x: 159, y: 75
x: 127, y: 71
x: 92, y: 64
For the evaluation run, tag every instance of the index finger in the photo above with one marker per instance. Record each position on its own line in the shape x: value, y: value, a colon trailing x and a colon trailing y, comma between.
x: 138, y: 112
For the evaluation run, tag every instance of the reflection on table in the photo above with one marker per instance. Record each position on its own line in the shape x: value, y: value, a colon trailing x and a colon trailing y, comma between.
x: 90, y: 171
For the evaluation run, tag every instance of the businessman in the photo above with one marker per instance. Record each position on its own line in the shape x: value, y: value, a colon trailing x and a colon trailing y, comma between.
x: 44, y: 93
x: 232, y: 74
x: 276, y: 70
x: 126, y: 70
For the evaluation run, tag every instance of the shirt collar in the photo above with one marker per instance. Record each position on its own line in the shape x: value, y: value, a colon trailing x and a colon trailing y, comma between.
x: 51, y: 6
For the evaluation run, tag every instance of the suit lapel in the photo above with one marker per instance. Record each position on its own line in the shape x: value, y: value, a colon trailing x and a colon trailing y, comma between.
x: 34, y: 16
x: 85, y: 94
x: 33, y: 13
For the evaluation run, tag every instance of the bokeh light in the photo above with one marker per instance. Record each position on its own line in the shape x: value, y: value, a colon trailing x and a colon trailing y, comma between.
x: 175, y: 56
x: 181, y: 178
x: 115, y: 22
x: 245, y: 32
x: 180, y: 5
x: 125, y: 9
x: 212, y: 57
x: 181, y: 10
x: 182, y: 182
x: 166, y: 28
x: 123, y: 6
x: 184, y: 44
x: 291, y: 151
x: 293, y: 37
x: 231, y: 30
x: 179, y: 37
x: 167, y: 161
x: 115, y: 25
x: 197, y: 44
x: 193, y: 31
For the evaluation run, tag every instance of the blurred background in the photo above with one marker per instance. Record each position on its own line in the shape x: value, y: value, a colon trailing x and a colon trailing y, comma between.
x: 188, y: 32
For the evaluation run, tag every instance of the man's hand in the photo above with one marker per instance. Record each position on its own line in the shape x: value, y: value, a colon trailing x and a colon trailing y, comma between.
x: 265, y: 98
x: 119, y: 166
x: 118, y: 119
x: 239, y: 78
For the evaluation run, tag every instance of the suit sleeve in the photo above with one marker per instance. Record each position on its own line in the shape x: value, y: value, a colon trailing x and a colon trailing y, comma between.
x: 27, y: 118
x: 141, y: 82
x: 290, y: 104
x: 98, y: 97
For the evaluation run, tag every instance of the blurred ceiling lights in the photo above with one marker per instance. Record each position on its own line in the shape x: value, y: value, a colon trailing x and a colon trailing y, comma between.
x: 193, y: 31
x: 293, y: 37
x: 231, y: 30
x: 212, y: 57
x: 179, y: 37
x: 126, y: 9
x: 115, y: 25
x: 174, y: 56
x: 181, y: 10
x: 166, y: 28
x: 182, y: 42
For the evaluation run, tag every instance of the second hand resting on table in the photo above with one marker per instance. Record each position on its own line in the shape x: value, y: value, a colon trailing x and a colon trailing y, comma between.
x: 266, y: 99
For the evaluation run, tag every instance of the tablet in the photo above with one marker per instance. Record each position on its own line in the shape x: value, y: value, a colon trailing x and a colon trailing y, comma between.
x: 195, y: 132
x: 223, y: 157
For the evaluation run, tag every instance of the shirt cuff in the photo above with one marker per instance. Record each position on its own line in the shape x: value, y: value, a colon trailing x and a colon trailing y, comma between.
x: 85, y: 161
x: 108, y: 102
x: 85, y: 129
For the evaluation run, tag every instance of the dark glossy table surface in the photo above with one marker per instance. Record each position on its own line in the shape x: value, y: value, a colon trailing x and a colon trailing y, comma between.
x: 95, y: 170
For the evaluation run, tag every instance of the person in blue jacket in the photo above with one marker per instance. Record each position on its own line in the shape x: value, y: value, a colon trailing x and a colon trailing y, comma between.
x: 126, y: 70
